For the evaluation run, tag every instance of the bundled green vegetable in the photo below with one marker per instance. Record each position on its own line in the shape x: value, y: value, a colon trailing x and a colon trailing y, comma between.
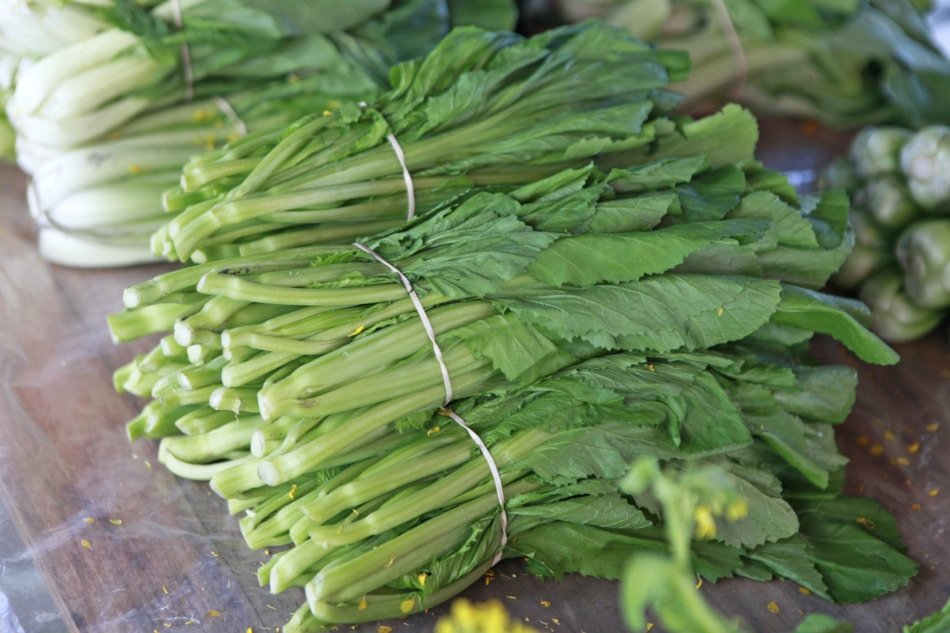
x: 583, y: 321
x: 900, y: 265
x: 183, y: 77
x: 846, y: 64
x: 483, y: 109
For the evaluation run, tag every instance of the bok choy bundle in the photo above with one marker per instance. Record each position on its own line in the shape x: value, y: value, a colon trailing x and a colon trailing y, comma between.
x: 582, y: 321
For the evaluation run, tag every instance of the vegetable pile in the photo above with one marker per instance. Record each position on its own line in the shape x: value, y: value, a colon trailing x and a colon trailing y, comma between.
x: 640, y: 289
x: 846, y: 64
x: 106, y: 113
x: 900, y: 263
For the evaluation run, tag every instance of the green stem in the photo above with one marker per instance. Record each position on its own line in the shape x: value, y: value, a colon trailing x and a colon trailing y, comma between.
x: 413, y: 469
x: 245, y: 290
x: 316, y: 614
x: 372, y: 352
x: 438, y: 494
x: 129, y: 325
x: 353, y: 578
x: 388, y: 384
x: 210, y: 446
x: 159, y: 287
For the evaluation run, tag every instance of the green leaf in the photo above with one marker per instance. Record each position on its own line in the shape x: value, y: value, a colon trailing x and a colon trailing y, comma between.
x: 830, y: 315
x: 856, y: 546
x: 607, y: 511
x: 520, y: 352
x: 821, y: 623
x: 559, y: 548
x: 769, y: 517
x: 585, y: 260
x: 789, y: 559
x: 936, y: 623
x: 658, y: 313
x: 326, y: 16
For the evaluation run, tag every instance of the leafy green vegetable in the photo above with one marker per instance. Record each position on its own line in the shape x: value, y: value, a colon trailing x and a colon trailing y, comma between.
x: 101, y: 158
x: 566, y: 386
x: 845, y: 63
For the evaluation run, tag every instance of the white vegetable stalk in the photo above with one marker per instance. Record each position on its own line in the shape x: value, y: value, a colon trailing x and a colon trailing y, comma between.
x: 40, y: 27
x: 81, y: 251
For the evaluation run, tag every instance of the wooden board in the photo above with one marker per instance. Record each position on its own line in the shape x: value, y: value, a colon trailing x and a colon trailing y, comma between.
x: 125, y: 546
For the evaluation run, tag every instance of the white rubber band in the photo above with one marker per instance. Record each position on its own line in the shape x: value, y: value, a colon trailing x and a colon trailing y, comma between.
x: 496, y: 476
x: 185, y: 54
x: 420, y: 309
x: 406, y: 176
x: 225, y: 107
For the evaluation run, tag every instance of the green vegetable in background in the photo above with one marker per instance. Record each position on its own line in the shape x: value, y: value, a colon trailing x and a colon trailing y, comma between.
x: 846, y: 63
x: 900, y: 264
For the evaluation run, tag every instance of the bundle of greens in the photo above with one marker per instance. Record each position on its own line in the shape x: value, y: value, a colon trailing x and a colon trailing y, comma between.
x: 900, y: 263
x: 30, y: 30
x: 845, y: 63
x: 105, y: 123
x: 582, y: 321
x: 485, y: 109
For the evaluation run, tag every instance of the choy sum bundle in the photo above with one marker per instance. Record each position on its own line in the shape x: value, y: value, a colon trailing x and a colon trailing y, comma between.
x: 402, y: 410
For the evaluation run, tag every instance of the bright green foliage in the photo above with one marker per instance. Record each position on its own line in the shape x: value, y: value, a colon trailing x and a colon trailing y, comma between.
x: 598, y: 317
x: 568, y: 373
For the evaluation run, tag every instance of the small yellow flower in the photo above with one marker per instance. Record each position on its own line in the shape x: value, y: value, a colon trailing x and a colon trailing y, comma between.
x: 705, y: 523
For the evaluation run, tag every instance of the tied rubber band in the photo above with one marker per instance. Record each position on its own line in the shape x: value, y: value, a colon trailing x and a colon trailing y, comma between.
x: 406, y: 176
x: 229, y: 112
x: 185, y: 54
x: 496, y: 476
x: 430, y: 331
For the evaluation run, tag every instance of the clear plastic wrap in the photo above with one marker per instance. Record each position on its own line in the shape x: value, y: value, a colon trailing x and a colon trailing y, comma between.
x: 96, y: 536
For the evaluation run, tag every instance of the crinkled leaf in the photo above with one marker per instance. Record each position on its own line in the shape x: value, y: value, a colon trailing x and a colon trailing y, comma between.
x: 658, y: 313
x: 607, y: 511
x: 588, y: 259
x: 520, y: 352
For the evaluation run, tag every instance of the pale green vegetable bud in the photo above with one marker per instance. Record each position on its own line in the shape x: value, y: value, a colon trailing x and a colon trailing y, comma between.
x: 925, y: 161
x: 923, y: 252
x: 897, y: 319
x: 889, y: 202
x: 876, y: 150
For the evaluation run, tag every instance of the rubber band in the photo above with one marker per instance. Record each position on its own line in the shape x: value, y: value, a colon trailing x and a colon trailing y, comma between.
x: 496, y: 476
x: 420, y: 309
x: 185, y: 54
x: 225, y: 107
x: 430, y: 331
x: 406, y: 176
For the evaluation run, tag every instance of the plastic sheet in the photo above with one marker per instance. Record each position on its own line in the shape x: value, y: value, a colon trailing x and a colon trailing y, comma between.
x: 97, y: 537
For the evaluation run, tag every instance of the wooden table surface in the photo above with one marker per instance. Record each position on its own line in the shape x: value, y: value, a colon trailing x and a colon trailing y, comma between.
x: 125, y: 546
